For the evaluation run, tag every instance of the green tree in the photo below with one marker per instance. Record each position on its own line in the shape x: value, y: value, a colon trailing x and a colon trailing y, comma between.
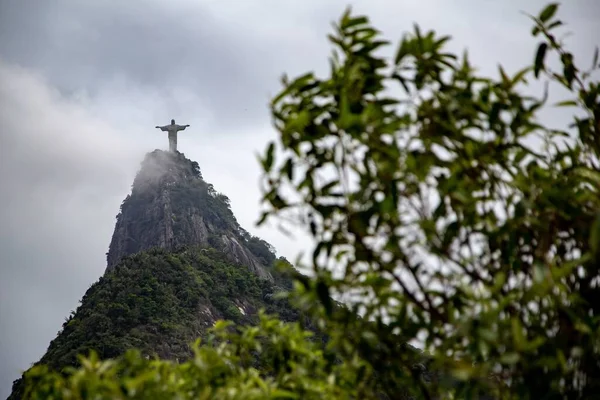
x: 446, y: 213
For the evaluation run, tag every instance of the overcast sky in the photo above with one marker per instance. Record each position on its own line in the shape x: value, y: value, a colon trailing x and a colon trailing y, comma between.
x: 82, y: 85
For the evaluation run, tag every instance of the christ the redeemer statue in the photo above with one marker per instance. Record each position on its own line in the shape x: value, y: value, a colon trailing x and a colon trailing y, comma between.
x: 172, y: 129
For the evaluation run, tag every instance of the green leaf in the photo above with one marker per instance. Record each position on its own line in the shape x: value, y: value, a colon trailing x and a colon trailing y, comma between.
x: 568, y: 68
x: 566, y: 103
x: 505, y: 78
x: 263, y: 218
x: 554, y: 25
x: 221, y: 325
x: 269, y: 157
x: 510, y: 358
x: 517, y: 332
x: 539, y: 58
x: 354, y: 22
x: 289, y: 169
x: 520, y: 75
x: 283, y: 394
x: 548, y: 12
x: 403, y: 49
x: 589, y: 174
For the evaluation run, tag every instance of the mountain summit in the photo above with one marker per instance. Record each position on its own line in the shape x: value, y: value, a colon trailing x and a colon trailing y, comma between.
x: 178, y: 261
x: 171, y: 206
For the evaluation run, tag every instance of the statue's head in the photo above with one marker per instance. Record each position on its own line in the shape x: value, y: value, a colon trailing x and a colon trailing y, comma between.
x: 172, y: 122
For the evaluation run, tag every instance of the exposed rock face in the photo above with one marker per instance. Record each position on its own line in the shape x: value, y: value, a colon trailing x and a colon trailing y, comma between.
x: 239, y: 254
x: 170, y: 206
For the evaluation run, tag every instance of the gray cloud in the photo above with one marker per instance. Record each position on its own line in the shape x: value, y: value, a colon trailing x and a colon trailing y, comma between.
x: 150, y: 44
x: 82, y: 84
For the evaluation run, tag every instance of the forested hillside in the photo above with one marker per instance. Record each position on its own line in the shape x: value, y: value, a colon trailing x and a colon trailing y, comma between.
x: 178, y: 262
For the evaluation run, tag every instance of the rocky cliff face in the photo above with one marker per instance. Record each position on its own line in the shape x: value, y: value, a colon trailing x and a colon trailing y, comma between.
x: 170, y: 206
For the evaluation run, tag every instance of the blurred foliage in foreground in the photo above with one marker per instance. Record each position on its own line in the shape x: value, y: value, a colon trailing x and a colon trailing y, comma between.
x: 442, y: 211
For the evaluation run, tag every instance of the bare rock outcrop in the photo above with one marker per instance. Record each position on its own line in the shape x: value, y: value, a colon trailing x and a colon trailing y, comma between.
x: 170, y: 206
